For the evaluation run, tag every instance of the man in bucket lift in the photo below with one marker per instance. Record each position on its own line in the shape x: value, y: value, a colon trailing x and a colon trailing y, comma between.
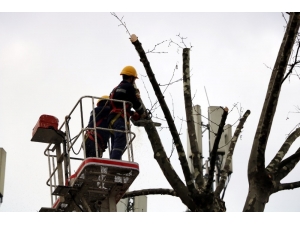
x: 124, y: 91
x: 101, y: 113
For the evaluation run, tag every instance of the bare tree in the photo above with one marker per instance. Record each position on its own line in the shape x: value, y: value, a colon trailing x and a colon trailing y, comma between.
x: 197, y: 193
x: 264, y: 181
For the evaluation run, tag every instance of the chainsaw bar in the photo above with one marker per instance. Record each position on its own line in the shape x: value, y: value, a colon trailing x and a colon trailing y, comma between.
x: 142, y: 123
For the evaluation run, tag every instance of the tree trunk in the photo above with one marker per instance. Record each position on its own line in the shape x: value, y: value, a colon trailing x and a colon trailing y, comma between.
x: 258, y: 177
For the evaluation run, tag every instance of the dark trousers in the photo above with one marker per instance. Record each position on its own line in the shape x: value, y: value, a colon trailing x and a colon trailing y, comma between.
x: 118, y: 139
x: 90, y: 149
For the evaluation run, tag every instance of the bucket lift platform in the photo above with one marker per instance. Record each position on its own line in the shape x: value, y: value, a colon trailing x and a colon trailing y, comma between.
x: 97, y: 185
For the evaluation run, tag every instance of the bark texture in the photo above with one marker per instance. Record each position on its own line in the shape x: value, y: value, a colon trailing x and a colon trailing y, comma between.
x: 156, y: 191
x: 225, y: 171
x: 213, y: 153
x: 263, y: 181
x: 168, y: 116
x: 196, y: 156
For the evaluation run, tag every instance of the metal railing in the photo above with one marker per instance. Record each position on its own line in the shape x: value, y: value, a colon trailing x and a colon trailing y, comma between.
x: 60, y: 163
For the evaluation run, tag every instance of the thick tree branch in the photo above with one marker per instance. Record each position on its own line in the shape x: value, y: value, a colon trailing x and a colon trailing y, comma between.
x: 196, y: 155
x: 288, y: 186
x: 165, y: 165
x: 213, y: 153
x: 225, y: 171
x: 169, y: 118
x: 287, y: 165
x: 257, y: 157
x: 155, y: 191
x: 272, y: 167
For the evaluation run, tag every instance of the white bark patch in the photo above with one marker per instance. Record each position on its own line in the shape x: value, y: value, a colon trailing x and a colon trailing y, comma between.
x: 251, y: 201
x: 284, y: 168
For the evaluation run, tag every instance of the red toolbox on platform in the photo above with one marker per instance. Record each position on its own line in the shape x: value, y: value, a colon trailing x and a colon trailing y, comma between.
x: 46, y: 121
x: 45, y: 129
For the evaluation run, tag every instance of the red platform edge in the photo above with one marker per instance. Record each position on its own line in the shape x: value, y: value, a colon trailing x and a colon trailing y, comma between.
x: 102, y: 162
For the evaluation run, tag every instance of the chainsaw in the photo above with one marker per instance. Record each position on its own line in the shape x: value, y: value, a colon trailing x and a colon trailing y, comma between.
x: 137, y: 121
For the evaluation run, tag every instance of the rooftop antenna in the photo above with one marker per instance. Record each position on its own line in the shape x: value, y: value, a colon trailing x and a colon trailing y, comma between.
x: 206, y: 96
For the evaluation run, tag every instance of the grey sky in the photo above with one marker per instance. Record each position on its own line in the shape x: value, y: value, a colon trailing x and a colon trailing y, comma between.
x: 49, y: 60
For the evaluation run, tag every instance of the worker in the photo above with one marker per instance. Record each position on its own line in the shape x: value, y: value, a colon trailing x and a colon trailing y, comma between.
x: 101, y: 115
x: 124, y: 91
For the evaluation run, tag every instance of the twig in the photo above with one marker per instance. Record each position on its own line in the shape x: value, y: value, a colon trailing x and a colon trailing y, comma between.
x: 152, y: 51
x: 121, y: 21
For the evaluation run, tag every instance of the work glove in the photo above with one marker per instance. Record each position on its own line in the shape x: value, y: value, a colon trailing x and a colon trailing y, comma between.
x: 137, y: 93
x: 144, y: 115
x: 135, y: 116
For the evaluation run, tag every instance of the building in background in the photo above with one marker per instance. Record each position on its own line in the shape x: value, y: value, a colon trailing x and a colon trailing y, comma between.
x: 2, y: 172
x: 133, y: 204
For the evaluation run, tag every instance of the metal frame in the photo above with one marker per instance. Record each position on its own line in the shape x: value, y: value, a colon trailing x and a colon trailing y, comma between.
x: 60, y: 169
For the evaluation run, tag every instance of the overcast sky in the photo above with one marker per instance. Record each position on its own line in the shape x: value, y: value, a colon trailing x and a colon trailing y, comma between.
x: 49, y: 60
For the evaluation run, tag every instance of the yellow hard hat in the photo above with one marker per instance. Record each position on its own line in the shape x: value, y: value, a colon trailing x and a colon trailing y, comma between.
x: 104, y: 97
x: 129, y: 71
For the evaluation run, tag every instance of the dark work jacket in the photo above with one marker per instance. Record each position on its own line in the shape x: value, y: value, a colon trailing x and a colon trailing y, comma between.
x: 125, y: 91
x: 101, y: 113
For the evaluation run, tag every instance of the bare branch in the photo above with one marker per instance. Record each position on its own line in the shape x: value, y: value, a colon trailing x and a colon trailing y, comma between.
x: 213, y: 153
x: 121, y: 21
x: 225, y: 171
x: 148, y: 95
x: 257, y: 157
x: 288, y: 186
x: 196, y: 155
x: 170, y: 82
x: 273, y: 165
x: 287, y: 165
x: 173, y: 130
x: 268, y: 67
x: 155, y: 191
x: 152, y: 51
x: 293, y: 64
x: 181, y: 42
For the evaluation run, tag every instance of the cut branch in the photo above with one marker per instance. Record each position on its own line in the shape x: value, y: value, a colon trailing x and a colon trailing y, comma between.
x: 168, y: 116
x: 225, y: 171
x: 196, y: 155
